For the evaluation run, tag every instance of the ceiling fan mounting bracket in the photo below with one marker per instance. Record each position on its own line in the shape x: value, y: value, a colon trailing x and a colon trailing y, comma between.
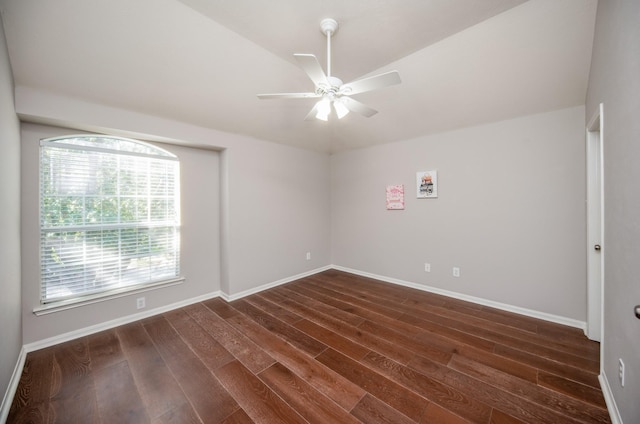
x: 328, y: 25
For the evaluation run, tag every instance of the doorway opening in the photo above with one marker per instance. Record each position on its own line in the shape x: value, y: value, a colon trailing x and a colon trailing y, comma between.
x: 595, y: 225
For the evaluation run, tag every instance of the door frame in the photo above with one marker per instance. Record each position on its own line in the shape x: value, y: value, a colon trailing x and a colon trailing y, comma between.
x: 595, y: 225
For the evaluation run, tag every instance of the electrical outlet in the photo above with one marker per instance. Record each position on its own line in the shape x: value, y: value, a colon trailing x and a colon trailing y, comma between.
x: 308, y: 256
x: 621, y: 371
x: 140, y: 303
x: 456, y: 271
x: 427, y: 267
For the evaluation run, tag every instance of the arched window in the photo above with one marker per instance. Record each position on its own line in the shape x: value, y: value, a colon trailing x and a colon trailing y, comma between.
x: 109, y: 216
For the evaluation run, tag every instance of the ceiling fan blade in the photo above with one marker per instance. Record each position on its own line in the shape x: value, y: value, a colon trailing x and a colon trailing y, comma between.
x: 371, y: 83
x: 357, y: 107
x: 311, y: 66
x: 288, y: 96
x: 312, y: 113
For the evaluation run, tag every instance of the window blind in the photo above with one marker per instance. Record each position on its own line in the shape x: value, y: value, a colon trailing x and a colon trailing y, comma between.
x: 109, y: 216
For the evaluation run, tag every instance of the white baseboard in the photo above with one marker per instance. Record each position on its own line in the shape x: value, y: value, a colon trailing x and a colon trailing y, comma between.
x: 236, y: 296
x: 503, y: 306
x: 13, y: 386
x: 41, y: 344
x: 614, y: 413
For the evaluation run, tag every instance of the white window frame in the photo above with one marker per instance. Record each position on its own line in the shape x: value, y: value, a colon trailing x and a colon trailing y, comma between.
x: 141, y: 274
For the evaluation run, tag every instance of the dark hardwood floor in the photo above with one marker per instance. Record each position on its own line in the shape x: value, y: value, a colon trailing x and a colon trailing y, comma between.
x: 330, y: 348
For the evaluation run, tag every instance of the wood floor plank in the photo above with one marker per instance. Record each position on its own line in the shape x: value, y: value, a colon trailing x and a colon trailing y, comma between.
x: 159, y: 390
x: 379, y: 306
x: 499, y: 417
x: 34, y: 413
x: 506, y: 338
x: 490, y: 315
x: 371, y: 410
x: 366, y: 293
x: 238, y: 417
x: 314, y: 407
x: 347, y: 303
x: 274, y: 309
x: 220, y: 307
x: 432, y: 389
x: 423, y: 339
x: 183, y: 414
x: 73, y: 395
x: 429, y: 347
x: 500, y: 363
x: 454, y: 334
x: 366, y: 288
x: 117, y: 394
x: 431, y: 301
x: 342, y: 328
x: 330, y: 347
x: 283, y: 330
x: 583, y: 361
x: 243, y: 349
x: 558, y: 401
x: 555, y: 331
x: 471, y: 322
x: 521, y: 408
x: 393, y: 394
x: 372, y: 341
x: 212, y: 405
x: 437, y: 414
x: 104, y: 349
x: 571, y: 388
x: 309, y: 302
x: 332, y: 339
x: 31, y: 401
x: 364, y: 302
x: 323, y: 379
x: 559, y: 368
x: 289, y: 304
x: 260, y: 403
x: 203, y: 344
x: 379, y: 313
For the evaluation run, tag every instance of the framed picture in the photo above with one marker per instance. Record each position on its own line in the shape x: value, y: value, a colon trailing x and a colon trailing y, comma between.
x: 427, y: 184
x: 395, y: 197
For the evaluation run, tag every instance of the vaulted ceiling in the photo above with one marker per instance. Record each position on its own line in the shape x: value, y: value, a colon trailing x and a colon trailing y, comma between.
x: 462, y: 62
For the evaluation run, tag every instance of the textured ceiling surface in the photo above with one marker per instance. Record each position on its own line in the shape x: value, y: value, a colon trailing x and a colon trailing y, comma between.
x: 462, y: 62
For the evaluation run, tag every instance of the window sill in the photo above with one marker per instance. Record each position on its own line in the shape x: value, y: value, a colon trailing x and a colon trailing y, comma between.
x: 64, y: 305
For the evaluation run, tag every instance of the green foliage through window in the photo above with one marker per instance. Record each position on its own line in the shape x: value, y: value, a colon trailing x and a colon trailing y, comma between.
x: 109, y: 215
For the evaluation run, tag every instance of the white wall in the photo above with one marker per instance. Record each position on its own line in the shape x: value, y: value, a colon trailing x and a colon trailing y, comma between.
x: 510, y: 212
x: 279, y: 211
x: 10, y: 327
x: 274, y: 200
x: 200, y: 241
x: 615, y: 82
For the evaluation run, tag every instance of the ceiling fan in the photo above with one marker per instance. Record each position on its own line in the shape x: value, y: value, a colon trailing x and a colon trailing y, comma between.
x: 331, y: 90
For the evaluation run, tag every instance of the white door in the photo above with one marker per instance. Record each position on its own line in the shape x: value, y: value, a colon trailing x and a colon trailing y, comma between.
x: 595, y: 226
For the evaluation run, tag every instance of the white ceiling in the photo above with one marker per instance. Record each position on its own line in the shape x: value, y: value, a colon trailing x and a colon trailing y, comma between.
x: 462, y: 62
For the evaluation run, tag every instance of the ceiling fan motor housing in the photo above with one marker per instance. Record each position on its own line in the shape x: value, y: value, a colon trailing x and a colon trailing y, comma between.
x: 333, y: 90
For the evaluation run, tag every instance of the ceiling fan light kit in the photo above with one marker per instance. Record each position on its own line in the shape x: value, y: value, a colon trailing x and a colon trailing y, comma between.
x: 323, y: 108
x: 331, y: 90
